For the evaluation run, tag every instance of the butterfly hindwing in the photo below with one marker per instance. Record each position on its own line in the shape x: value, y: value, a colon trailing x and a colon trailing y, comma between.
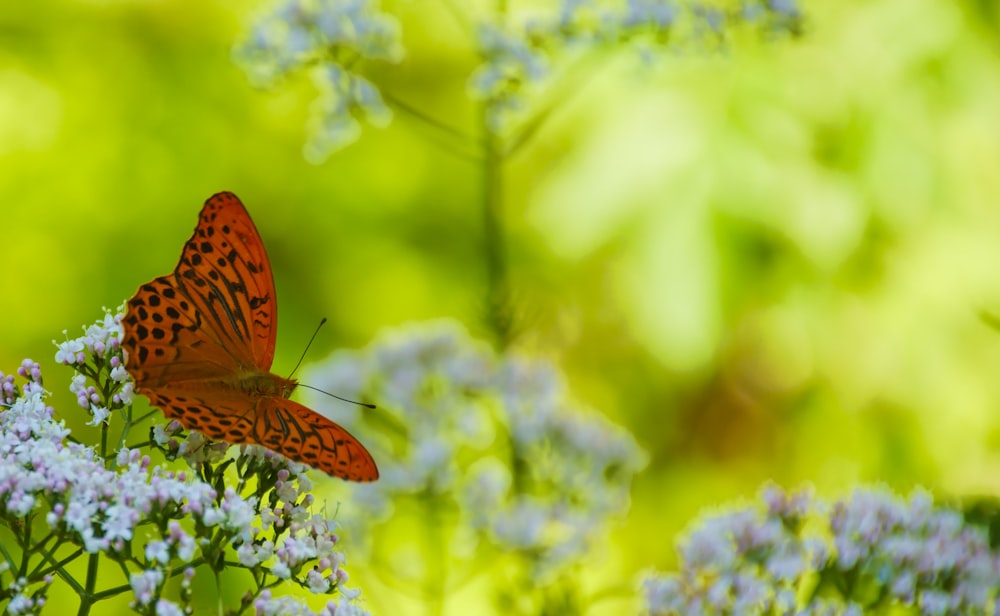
x: 219, y: 416
x: 306, y: 436
x: 282, y: 425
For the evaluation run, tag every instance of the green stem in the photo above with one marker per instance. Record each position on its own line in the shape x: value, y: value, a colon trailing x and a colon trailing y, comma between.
x: 87, y: 598
x: 497, y: 294
x: 145, y: 416
x: 42, y: 549
x: 59, y: 568
x: 25, y: 547
x: 8, y: 557
x: 461, y: 18
x: 569, y: 86
x: 497, y: 299
x: 436, y: 581
x: 112, y: 592
x: 220, y: 607
x: 447, y: 130
x: 126, y: 428
x: 104, y: 444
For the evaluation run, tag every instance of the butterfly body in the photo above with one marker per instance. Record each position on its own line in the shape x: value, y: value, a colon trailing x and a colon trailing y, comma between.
x: 199, y: 344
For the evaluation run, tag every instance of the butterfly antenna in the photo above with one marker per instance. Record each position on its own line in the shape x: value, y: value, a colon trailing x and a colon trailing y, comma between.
x: 309, y: 344
x: 321, y: 324
x: 364, y: 404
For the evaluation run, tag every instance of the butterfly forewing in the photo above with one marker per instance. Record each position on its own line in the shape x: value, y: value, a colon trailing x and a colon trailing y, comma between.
x: 215, y: 314
x: 225, y: 273
x: 199, y: 343
x: 165, y: 339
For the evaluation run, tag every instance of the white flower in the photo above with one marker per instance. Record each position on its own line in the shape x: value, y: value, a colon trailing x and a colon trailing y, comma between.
x: 936, y: 602
x: 100, y: 415
x: 292, y: 606
x: 787, y: 564
x: 522, y: 525
x: 247, y: 555
x: 118, y: 373
x: 318, y: 583
x: 168, y: 608
x: 119, y: 521
x: 343, y: 607
x: 281, y: 570
x: 268, y: 518
x: 487, y: 487
x: 185, y: 548
x: 456, y: 401
x: 328, y: 36
x: 160, y: 435
x: 145, y: 584
x: 287, y: 491
x: 20, y: 503
x: 69, y: 351
x: 662, y: 594
x: 20, y: 604
x: 294, y: 551
x: 126, y: 393
x: 158, y: 551
x: 239, y: 512
x: 78, y: 385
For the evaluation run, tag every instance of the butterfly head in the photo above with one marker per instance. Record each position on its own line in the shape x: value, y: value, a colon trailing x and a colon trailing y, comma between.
x: 287, y: 386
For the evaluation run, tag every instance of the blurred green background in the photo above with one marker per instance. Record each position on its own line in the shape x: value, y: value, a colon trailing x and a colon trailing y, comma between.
x: 768, y: 263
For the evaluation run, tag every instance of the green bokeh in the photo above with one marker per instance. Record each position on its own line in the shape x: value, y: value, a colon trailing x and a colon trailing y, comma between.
x: 767, y: 264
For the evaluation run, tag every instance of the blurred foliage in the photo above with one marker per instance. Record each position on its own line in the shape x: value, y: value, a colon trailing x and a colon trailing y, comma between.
x: 766, y: 263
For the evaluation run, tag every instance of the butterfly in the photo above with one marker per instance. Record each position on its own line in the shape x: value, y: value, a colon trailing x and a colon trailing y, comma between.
x: 199, y: 343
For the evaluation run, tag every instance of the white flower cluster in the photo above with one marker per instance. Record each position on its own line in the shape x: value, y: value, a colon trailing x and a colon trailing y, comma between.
x: 800, y: 556
x: 513, y: 66
x: 106, y: 510
x: 156, y: 523
x: 919, y: 554
x: 518, y: 55
x: 268, y: 605
x: 100, y: 339
x: 101, y: 343
x: 496, y: 435
x: 329, y: 38
x: 334, y: 38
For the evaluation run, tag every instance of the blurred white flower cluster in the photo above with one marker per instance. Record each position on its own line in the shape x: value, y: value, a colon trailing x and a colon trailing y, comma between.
x: 798, y: 555
x: 495, y: 437
x: 519, y: 53
x: 67, y: 502
x: 331, y: 39
x: 519, y: 50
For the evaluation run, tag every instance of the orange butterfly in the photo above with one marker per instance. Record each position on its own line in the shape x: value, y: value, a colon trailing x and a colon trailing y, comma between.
x: 199, y: 344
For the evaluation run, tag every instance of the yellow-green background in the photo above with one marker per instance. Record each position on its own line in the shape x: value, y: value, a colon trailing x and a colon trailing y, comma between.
x: 767, y: 264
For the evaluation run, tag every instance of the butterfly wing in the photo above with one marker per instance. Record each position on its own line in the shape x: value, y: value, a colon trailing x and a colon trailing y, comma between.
x: 215, y: 315
x: 225, y: 271
x: 218, y: 414
x: 279, y: 424
x: 305, y: 436
x: 165, y: 339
